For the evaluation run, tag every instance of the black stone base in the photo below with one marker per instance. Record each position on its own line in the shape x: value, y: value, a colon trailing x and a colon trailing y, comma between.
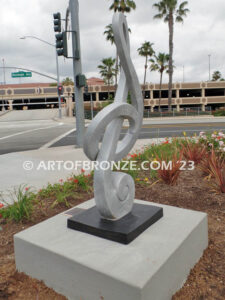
x: 122, y: 231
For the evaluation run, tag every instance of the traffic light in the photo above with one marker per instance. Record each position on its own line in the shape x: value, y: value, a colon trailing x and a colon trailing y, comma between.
x: 61, y: 44
x: 60, y: 90
x: 57, y: 22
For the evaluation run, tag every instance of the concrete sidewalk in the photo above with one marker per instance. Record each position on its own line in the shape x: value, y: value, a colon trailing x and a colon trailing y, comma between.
x: 29, y: 167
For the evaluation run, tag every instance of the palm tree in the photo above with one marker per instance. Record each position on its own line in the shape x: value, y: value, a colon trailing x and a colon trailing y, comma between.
x: 147, y: 51
x: 107, y: 70
x: 123, y: 5
x: 170, y: 11
x: 110, y: 37
x: 109, y: 34
x: 67, y: 81
x: 217, y: 76
x: 160, y: 64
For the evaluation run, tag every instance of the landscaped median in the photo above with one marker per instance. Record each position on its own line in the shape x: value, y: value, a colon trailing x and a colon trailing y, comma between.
x: 183, y: 172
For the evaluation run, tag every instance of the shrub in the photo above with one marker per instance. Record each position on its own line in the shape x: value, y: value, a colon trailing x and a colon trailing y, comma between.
x: 219, y: 113
x: 83, y: 181
x: 170, y: 176
x: 22, y: 206
x: 215, y: 140
x: 217, y: 171
x: 67, y: 189
x: 194, y: 152
x: 204, y: 165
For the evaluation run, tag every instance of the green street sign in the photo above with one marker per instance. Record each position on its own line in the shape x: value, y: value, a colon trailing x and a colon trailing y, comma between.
x: 21, y: 74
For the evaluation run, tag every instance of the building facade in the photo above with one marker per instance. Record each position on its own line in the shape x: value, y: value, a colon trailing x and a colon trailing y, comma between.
x: 32, y: 96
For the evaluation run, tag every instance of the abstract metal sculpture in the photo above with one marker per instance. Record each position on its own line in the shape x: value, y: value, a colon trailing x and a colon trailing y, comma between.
x: 116, y: 217
x: 114, y: 191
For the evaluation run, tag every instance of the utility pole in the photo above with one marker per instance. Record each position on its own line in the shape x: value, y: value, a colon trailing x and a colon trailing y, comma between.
x: 79, y: 100
x: 92, y: 110
x: 3, y: 64
x: 209, y: 67
x: 58, y: 85
x: 183, y: 73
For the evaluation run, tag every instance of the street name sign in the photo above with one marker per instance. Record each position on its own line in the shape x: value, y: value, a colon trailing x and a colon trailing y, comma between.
x: 21, y: 74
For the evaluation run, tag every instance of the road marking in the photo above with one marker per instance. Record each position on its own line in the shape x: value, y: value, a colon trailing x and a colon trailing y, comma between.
x: 27, y: 131
x: 52, y: 142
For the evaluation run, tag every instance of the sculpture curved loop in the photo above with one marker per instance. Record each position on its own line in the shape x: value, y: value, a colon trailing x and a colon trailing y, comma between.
x: 114, y: 191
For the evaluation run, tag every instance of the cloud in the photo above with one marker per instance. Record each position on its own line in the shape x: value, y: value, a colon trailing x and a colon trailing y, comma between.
x: 200, y: 35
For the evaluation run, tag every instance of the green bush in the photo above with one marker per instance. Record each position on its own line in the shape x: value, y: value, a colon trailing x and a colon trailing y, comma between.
x: 22, y: 206
x: 219, y: 113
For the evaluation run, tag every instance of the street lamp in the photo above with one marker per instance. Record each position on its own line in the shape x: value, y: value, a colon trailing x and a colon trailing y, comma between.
x: 209, y: 66
x: 3, y: 64
x: 183, y: 73
x: 57, y: 67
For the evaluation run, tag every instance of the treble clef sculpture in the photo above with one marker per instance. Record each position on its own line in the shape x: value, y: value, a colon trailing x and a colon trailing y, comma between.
x: 114, y: 191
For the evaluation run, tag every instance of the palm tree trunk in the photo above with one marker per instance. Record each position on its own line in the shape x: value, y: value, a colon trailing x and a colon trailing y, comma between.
x: 146, y: 66
x: 171, y: 23
x: 108, y: 87
x: 160, y: 90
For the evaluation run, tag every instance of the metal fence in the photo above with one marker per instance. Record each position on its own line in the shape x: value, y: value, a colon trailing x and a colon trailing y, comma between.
x: 185, y: 112
x: 27, y: 104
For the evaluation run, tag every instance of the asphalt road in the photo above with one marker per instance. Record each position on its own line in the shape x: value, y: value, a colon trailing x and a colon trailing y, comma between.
x: 29, y: 135
x: 156, y: 131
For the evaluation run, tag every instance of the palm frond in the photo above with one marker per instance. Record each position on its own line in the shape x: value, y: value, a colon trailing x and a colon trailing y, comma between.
x: 179, y: 19
x: 166, y: 19
x: 183, y: 4
x: 158, y: 16
x: 123, y: 5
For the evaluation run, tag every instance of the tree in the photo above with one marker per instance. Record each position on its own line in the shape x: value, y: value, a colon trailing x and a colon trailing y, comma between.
x: 110, y: 37
x: 217, y: 76
x: 107, y: 71
x: 160, y: 64
x: 146, y: 51
x: 123, y: 5
x: 170, y: 11
x: 109, y: 34
x: 67, y: 81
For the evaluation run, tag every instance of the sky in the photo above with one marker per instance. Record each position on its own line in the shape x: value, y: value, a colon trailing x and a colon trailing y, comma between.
x: 201, y: 34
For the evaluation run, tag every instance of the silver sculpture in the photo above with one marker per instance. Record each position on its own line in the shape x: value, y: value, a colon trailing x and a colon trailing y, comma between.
x: 114, y: 191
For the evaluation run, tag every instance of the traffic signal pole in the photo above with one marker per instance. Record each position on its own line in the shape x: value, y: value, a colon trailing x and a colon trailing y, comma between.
x: 58, y: 83
x: 58, y: 28
x: 79, y: 100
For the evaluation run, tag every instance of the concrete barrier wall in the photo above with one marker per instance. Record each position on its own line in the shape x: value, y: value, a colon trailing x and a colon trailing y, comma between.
x: 25, y: 115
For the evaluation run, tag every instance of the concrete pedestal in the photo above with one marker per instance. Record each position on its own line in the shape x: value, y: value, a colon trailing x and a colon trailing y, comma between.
x: 81, y: 266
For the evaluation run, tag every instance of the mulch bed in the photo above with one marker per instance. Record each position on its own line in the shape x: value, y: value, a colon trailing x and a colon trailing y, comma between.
x: 207, y: 278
